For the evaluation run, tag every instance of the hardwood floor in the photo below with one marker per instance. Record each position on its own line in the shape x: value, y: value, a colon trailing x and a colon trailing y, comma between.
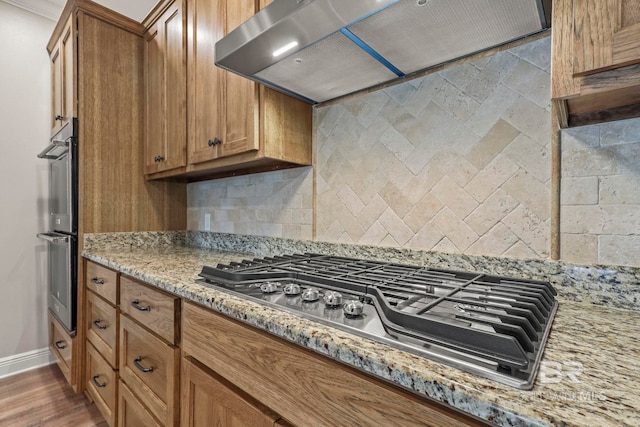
x: 42, y: 397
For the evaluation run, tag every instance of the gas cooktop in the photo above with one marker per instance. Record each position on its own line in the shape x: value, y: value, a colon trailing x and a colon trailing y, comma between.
x: 487, y: 325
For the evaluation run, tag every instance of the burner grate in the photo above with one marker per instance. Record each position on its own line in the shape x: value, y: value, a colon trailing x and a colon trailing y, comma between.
x: 499, y: 320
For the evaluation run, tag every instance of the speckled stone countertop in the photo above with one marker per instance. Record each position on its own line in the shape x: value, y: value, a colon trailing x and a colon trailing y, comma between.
x: 588, y: 377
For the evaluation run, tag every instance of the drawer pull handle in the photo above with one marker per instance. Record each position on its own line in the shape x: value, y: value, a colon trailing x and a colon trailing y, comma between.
x: 99, y: 325
x: 97, y: 281
x: 60, y: 346
x: 95, y: 381
x: 137, y: 361
x: 137, y: 305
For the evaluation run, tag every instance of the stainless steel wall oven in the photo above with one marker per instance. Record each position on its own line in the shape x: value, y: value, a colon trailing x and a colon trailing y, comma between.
x: 62, y: 237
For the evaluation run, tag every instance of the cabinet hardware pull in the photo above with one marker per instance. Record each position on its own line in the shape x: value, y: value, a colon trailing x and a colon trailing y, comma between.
x: 158, y: 159
x: 137, y: 361
x: 99, y: 325
x: 137, y: 305
x: 215, y: 141
x: 59, y: 117
x: 95, y: 381
x: 60, y: 346
x: 97, y: 281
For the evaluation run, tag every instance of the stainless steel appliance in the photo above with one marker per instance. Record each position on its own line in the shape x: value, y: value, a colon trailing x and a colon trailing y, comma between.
x: 491, y: 326
x: 62, y: 154
x: 318, y: 50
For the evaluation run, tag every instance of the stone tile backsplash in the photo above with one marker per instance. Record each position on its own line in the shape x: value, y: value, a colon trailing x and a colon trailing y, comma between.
x: 274, y: 204
x: 457, y: 161
x: 601, y: 194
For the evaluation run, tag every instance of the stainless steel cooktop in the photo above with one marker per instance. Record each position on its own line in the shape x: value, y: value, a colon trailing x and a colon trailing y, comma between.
x: 491, y: 326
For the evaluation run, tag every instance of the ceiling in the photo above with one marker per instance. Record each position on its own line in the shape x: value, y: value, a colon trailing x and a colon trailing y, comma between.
x: 134, y: 9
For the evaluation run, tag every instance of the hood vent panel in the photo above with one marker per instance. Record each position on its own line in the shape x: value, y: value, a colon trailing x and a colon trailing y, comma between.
x: 414, y: 37
x: 338, y: 47
x: 316, y: 76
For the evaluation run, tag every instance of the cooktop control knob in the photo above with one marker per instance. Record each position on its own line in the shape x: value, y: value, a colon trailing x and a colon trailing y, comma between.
x: 310, y: 294
x: 353, y: 308
x: 333, y: 299
x: 269, y: 287
x: 291, y: 289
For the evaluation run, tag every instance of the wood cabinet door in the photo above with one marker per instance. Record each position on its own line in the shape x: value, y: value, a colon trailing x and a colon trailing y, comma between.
x: 606, y: 34
x: 240, y: 98
x: 68, y: 71
x: 165, y: 93
x: 56, y: 89
x: 208, y: 400
x: 63, y: 99
x: 222, y: 106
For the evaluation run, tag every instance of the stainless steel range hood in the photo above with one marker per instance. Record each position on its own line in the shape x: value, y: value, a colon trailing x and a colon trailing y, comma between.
x: 318, y: 50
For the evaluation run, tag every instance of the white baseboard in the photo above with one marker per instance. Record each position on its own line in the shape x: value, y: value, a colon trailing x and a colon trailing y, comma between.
x: 25, y: 362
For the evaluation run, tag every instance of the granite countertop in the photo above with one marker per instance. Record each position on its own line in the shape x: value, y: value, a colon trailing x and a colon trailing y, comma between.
x: 589, y: 371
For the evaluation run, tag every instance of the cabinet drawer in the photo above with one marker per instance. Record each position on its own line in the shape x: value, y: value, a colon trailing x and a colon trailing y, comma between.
x: 102, y: 327
x: 149, y: 367
x: 102, y: 281
x: 154, y: 309
x: 61, y: 345
x: 102, y: 383
x: 132, y: 413
x: 276, y: 373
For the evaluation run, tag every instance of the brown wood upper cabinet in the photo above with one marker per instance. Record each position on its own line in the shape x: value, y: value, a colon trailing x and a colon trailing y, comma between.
x: 63, y: 99
x: 233, y: 125
x: 595, y: 60
x: 222, y: 123
x: 165, y: 92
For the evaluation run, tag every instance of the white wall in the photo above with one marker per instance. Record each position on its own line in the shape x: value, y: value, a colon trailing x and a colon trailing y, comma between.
x: 24, y: 131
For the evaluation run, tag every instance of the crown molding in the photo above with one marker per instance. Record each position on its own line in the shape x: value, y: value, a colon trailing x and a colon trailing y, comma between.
x: 50, y: 9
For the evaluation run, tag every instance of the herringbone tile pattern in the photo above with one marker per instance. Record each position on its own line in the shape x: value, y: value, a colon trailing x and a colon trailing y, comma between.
x: 457, y: 161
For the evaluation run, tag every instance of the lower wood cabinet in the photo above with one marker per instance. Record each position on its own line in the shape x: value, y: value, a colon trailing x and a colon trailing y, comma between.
x: 305, y: 388
x: 156, y: 310
x: 228, y: 373
x: 102, y: 384
x: 150, y: 368
x: 102, y: 327
x: 132, y: 413
x: 209, y: 400
x: 61, y: 345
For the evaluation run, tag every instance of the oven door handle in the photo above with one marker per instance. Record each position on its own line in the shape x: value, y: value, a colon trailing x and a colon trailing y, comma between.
x: 53, y: 239
x: 44, y: 154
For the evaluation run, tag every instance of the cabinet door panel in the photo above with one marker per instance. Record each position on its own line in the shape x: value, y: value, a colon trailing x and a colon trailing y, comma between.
x: 67, y: 50
x: 154, y: 132
x: 606, y: 34
x: 166, y: 136
x: 208, y: 400
x: 205, y: 80
x: 240, y: 96
x: 63, y: 97
x: 223, y: 106
x: 56, y: 88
